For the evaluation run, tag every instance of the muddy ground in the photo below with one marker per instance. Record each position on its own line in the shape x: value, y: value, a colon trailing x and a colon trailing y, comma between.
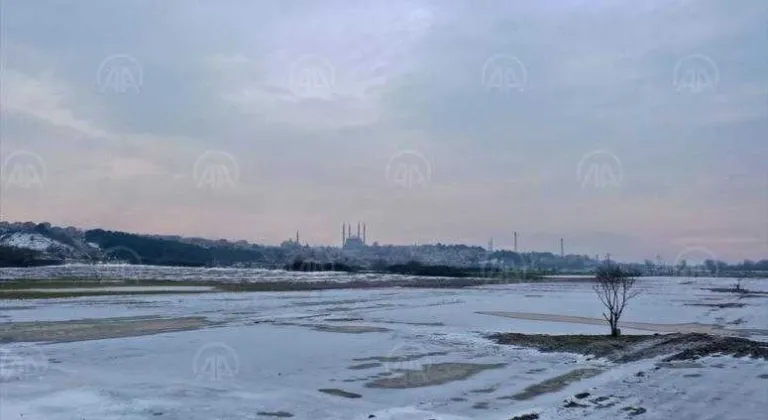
x: 630, y: 348
x: 96, y: 329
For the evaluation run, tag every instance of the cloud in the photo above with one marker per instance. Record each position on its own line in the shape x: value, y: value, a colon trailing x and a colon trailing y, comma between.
x: 313, y: 99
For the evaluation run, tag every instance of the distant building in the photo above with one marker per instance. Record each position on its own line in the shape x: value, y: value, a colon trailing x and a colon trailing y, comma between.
x: 350, y: 242
x: 291, y: 243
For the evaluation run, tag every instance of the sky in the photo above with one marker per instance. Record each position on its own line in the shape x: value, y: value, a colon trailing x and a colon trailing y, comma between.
x: 631, y: 128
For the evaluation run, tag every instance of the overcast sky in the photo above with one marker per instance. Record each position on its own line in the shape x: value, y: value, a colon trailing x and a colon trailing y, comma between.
x: 635, y: 128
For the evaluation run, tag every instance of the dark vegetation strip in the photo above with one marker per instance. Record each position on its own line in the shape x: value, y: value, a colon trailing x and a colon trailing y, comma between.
x: 630, y: 348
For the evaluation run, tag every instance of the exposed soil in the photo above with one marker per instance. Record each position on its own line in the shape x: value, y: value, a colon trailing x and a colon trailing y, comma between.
x: 529, y: 416
x: 719, y: 305
x: 339, y: 393
x: 741, y: 292
x: 345, y: 329
x: 432, y: 374
x: 396, y: 359
x: 631, y: 348
x: 281, y: 414
x: 364, y: 366
x: 553, y: 384
x: 96, y: 329
x: 349, y: 329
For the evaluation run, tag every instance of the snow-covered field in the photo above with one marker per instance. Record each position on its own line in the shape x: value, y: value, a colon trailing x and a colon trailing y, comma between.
x: 270, y: 354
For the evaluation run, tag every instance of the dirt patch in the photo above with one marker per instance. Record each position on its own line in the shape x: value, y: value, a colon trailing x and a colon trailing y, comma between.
x: 630, y: 348
x: 364, y: 366
x: 719, y: 305
x: 432, y: 374
x: 96, y: 329
x: 488, y: 390
x: 282, y: 414
x: 345, y: 329
x: 349, y: 329
x: 339, y: 393
x: 742, y: 291
x: 415, y: 324
x: 396, y: 359
x: 634, y: 411
x: 529, y: 416
x: 680, y: 365
x: 343, y: 319
x: 553, y: 384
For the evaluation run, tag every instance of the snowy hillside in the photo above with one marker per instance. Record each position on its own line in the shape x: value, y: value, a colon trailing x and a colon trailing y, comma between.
x: 33, y: 241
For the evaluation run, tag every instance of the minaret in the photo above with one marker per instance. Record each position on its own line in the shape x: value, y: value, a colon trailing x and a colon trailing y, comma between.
x: 297, y: 237
x: 343, y: 234
x: 515, y: 241
x: 364, y: 234
x: 562, y: 248
x: 358, y: 230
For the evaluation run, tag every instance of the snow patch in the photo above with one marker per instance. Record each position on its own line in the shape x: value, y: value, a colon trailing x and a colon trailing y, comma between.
x: 33, y: 241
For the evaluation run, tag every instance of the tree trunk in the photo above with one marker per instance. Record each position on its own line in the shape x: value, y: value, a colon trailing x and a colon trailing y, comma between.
x: 615, y: 331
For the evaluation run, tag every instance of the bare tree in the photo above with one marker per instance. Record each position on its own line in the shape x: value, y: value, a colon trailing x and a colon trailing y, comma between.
x: 614, y: 288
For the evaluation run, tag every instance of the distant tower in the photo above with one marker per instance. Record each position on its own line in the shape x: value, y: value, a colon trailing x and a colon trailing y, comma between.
x: 297, y: 236
x: 364, y: 242
x: 515, y: 245
x: 490, y: 245
x: 562, y: 248
x: 343, y: 234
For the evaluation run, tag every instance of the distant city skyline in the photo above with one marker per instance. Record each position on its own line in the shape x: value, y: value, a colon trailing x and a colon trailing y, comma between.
x: 635, y: 128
